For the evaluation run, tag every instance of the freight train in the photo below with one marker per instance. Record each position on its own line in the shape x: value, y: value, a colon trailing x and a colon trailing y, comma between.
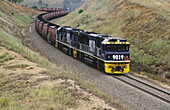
x: 50, y: 9
x: 108, y: 54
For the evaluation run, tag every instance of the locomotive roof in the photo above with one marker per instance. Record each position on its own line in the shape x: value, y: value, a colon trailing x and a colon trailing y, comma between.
x: 59, y: 28
x: 112, y: 39
x: 69, y: 28
x: 73, y: 29
x: 99, y: 35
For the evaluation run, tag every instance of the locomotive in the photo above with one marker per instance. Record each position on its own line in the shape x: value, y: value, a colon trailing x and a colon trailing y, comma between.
x: 108, y: 54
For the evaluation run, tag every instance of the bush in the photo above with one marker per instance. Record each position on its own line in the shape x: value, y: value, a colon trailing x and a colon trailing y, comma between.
x: 80, y: 11
x: 167, y: 76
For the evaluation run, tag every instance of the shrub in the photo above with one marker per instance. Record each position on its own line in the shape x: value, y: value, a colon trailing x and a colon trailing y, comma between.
x: 80, y: 11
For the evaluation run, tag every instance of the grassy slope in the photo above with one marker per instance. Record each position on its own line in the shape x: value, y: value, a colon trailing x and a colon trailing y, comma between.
x: 14, y: 20
x: 51, y: 3
x: 144, y: 23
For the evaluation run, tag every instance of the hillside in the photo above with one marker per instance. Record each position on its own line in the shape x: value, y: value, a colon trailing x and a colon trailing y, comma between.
x: 51, y: 3
x: 71, y: 4
x: 14, y: 19
x: 144, y: 23
x: 29, y: 80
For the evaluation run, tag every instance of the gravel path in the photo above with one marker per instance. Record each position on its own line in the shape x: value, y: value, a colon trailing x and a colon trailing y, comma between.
x: 125, y: 94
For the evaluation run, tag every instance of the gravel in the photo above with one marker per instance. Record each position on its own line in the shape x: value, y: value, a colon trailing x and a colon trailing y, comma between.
x: 146, y: 88
x: 129, y: 96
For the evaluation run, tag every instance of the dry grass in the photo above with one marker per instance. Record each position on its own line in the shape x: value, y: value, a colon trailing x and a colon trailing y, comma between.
x: 51, y: 3
x: 26, y: 85
x: 4, y: 56
x: 144, y: 23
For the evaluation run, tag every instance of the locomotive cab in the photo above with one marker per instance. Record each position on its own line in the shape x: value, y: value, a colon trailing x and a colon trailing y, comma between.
x: 117, y: 56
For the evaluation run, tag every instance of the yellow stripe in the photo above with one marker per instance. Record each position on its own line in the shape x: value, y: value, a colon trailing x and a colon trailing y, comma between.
x: 117, y: 43
x: 108, y: 42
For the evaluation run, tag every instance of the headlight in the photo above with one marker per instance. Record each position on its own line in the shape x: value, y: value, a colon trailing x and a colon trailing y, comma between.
x: 108, y: 56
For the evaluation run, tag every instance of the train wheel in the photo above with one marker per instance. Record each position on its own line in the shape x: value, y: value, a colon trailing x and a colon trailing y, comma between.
x: 70, y: 51
x: 48, y: 39
x: 98, y: 65
x: 80, y: 55
x: 59, y: 46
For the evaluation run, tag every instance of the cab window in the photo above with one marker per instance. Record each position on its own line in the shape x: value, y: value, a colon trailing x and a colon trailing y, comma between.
x: 117, y: 47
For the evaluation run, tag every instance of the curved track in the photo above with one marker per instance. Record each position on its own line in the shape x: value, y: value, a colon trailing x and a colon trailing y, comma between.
x: 147, y: 87
x: 126, y: 94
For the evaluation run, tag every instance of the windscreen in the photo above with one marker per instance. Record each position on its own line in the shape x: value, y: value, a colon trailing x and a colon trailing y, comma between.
x: 117, y: 47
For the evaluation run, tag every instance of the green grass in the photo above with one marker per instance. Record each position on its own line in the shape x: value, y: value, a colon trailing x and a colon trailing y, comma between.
x: 16, y: 92
x: 46, y: 97
x: 15, y: 44
x: 60, y: 94
x: 2, y: 75
x: 63, y: 73
x: 100, y: 5
x: 161, y: 9
x: 4, y: 102
x: 5, y: 57
x: 144, y: 23
x: 8, y: 103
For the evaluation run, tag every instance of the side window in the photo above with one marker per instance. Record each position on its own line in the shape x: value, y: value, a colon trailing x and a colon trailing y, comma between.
x: 92, y: 45
x: 68, y: 37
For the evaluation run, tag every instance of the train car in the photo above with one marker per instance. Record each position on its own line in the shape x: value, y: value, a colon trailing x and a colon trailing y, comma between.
x: 40, y: 9
x: 45, y: 27
x: 50, y: 9
x: 52, y: 33
x: 45, y: 17
x: 37, y: 21
x: 40, y: 26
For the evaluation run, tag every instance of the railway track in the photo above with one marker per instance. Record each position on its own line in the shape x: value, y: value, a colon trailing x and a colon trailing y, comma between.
x: 145, y: 86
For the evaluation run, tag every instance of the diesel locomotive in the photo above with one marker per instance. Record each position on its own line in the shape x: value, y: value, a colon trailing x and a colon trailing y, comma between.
x: 108, y: 54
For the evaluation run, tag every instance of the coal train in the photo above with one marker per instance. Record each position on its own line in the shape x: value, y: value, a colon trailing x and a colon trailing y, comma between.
x: 108, y: 54
x: 50, y: 9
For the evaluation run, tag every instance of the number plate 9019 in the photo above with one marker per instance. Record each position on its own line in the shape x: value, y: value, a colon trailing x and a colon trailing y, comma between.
x: 118, y: 57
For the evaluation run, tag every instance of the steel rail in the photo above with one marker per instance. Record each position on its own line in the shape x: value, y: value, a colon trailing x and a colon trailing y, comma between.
x: 144, y: 90
x: 165, y: 92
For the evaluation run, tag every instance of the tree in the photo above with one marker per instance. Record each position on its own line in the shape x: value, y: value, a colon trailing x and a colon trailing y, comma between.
x: 46, y: 5
x: 35, y: 7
